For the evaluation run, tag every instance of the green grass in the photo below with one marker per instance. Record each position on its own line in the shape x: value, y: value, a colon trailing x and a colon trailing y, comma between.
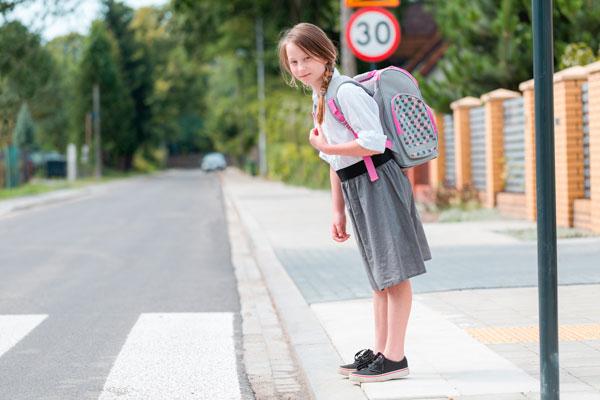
x: 30, y: 189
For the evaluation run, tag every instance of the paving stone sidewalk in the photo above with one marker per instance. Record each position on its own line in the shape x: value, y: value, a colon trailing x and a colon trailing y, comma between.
x: 496, y: 323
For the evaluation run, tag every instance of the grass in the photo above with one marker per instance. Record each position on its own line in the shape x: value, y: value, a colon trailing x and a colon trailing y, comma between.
x: 530, y: 234
x: 462, y: 215
x: 467, y: 212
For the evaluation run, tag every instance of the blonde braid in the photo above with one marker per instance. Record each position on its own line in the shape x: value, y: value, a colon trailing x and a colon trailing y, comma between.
x: 327, y: 75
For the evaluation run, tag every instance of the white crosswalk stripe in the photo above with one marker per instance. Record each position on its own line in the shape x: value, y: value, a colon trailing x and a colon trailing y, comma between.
x: 13, y: 328
x: 176, y: 356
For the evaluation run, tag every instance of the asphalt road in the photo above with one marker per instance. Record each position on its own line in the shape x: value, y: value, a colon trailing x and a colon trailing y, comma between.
x: 127, y: 293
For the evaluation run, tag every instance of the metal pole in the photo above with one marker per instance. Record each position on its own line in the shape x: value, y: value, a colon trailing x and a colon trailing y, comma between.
x: 346, y: 56
x: 260, y: 69
x: 543, y: 72
x: 97, y: 141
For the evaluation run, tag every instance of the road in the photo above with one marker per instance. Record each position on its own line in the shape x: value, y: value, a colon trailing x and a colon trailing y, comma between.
x: 128, y: 293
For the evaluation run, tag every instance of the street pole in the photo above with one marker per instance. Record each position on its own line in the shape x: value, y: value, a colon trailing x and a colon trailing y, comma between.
x: 97, y: 138
x: 543, y: 73
x: 346, y: 56
x: 260, y: 70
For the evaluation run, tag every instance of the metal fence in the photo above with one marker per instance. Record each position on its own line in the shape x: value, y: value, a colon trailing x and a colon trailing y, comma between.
x: 514, y: 145
x: 449, y: 163
x: 477, y: 126
x: 586, y: 139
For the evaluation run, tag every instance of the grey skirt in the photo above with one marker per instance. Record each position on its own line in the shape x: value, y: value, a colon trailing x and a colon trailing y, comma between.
x: 387, y: 226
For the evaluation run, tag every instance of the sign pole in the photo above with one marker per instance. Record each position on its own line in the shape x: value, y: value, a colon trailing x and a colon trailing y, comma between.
x: 346, y: 56
x: 543, y: 72
x: 260, y: 71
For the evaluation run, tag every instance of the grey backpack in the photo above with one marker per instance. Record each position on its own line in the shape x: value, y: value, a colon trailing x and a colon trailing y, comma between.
x: 406, y: 120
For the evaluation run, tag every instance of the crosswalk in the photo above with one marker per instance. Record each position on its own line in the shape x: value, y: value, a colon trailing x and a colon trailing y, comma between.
x: 165, y: 356
x: 13, y: 328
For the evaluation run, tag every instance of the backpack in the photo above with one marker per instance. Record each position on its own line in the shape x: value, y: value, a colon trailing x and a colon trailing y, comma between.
x: 405, y: 117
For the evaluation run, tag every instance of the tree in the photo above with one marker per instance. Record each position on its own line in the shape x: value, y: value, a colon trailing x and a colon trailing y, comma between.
x: 99, y: 65
x: 134, y: 63
x: 24, y: 133
x: 67, y: 52
x: 491, y: 43
x: 51, y: 6
x: 220, y: 36
x: 28, y: 73
x: 577, y: 54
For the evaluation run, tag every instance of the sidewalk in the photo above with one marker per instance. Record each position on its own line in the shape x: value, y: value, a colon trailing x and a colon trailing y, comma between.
x: 473, y: 328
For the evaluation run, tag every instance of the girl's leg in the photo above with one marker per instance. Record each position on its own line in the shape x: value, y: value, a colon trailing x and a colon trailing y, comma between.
x: 380, y: 311
x: 399, y: 302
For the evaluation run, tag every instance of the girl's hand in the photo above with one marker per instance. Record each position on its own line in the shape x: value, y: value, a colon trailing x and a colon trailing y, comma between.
x: 317, y: 139
x: 338, y: 228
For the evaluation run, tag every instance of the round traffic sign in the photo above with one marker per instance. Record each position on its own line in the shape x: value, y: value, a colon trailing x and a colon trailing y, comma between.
x: 373, y: 34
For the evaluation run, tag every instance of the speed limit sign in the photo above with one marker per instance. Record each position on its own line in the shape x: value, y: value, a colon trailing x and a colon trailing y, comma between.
x: 373, y: 34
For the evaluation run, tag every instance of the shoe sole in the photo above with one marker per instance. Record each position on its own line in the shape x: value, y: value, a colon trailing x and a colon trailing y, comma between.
x: 345, y: 371
x: 379, y: 378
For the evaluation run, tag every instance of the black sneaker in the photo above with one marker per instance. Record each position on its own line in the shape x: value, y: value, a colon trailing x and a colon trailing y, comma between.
x: 380, y: 370
x: 362, y: 359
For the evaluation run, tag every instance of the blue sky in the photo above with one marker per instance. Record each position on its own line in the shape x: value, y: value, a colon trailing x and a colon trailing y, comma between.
x: 78, y: 21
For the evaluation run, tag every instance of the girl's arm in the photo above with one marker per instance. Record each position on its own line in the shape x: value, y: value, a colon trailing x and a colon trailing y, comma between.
x: 352, y: 148
x: 347, y: 149
x: 338, y: 227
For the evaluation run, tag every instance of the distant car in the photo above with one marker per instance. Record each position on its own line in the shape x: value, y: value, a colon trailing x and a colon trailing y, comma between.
x: 213, y: 161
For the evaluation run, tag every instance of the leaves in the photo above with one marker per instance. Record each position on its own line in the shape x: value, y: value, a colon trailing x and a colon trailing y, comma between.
x: 491, y: 44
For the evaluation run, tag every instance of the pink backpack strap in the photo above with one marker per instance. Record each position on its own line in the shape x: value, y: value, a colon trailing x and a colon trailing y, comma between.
x: 367, y: 159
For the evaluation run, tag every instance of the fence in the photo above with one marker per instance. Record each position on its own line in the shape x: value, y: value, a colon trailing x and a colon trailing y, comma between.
x: 514, y: 145
x: 498, y: 159
x: 449, y: 166
x: 586, y: 139
x: 477, y: 128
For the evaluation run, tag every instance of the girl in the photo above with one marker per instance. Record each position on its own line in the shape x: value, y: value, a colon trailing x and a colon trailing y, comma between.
x: 388, y: 230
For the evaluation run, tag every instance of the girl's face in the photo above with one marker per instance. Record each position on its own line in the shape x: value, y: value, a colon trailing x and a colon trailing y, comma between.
x: 304, y: 67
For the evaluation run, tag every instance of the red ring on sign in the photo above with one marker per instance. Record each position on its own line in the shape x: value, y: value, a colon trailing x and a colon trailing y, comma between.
x: 395, y: 24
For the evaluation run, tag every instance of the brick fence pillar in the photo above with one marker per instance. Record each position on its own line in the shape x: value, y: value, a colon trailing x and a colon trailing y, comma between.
x: 529, y: 110
x: 462, y: 139
x: 437, y: 167
x: 594, y: 113
x: 568, y: 136
x: 494, y: 142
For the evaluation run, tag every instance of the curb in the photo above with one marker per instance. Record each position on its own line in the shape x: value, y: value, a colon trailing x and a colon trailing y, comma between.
x: 317, y: 358
x: 8, y: 206
x: 27, y: 202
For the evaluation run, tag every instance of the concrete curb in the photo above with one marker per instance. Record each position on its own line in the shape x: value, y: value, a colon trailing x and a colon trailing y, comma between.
x: 57, y: 196
x: 24, y: 203
x: 314, y: 351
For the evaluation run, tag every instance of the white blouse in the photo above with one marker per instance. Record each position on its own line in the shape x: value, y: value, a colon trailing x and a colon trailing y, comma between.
x: 362, y: 114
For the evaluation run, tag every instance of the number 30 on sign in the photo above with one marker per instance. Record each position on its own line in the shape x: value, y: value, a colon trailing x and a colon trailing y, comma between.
x: 373, y: 34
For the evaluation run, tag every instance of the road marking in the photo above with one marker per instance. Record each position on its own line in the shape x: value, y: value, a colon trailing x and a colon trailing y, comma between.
x: 14, y: 328
x: 176, y: 356
x: 523, y: 334
x: 444, y: 361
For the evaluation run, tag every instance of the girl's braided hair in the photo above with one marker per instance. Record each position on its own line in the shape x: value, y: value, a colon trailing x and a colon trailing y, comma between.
x: 312, y: 40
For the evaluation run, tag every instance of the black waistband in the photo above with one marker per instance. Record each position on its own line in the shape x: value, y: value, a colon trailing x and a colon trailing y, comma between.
x: 354, y: 170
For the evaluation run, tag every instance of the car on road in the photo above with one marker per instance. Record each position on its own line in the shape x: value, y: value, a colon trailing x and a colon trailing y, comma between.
x: 213, y: 162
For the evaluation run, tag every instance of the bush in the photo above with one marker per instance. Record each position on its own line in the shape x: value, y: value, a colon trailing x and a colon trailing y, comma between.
x: 465, y: 199
x: 297, y: 164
